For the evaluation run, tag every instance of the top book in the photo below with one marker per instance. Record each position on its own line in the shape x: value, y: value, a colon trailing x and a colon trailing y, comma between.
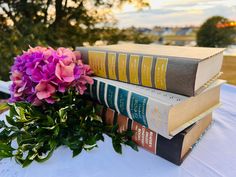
x: 182, y: 70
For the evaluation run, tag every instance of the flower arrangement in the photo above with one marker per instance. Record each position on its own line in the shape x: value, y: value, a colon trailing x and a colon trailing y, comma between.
x: 41, y: 72
x: 49, y: 108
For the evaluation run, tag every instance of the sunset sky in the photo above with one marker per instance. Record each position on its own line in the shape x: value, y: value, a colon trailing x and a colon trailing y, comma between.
x: 175, y: 13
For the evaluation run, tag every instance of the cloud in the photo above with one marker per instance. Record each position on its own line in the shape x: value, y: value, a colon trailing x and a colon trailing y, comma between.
x: 178, y: 14
x: 191, y: 3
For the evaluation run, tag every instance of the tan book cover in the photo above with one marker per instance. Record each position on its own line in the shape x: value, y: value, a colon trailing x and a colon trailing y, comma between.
x: 182, y: 70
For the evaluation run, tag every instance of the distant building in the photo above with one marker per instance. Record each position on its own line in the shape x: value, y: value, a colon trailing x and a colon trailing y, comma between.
x: 184, y: 31
x: 167, y: 31
x: 144, y: 30
x: 162, y: 31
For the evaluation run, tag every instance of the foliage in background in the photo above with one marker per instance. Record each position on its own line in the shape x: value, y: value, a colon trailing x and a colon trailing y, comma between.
x: 137, y: 36
x: 211, y: 36
x: 67, y: 23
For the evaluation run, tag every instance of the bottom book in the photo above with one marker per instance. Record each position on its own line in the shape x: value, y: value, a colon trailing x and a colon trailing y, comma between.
x: 174, y: 150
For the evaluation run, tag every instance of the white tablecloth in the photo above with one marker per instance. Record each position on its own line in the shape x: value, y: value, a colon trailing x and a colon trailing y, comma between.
x: 214, y: 155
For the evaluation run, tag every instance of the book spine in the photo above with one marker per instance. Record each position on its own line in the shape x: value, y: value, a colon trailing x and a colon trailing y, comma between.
x: 144, y: 110
x: 146, y: 138
x: 165, y: 73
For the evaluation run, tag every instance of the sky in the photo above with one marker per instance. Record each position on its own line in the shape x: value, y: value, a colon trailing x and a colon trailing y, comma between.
x: 175, y: 13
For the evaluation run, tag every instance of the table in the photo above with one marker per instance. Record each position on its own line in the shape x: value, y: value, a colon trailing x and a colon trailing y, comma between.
x: 214, y: 155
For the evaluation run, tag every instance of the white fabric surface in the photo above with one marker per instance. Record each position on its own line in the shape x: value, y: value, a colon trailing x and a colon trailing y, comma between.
x: 214, y: 155
x: 4, y: 86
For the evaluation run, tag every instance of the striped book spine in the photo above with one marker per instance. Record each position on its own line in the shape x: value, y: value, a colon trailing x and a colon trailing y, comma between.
x: 132, y: 68
x: 148, y: 112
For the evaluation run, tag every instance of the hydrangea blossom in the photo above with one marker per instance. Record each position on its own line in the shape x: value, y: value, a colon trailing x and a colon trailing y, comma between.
x: 40, y: 73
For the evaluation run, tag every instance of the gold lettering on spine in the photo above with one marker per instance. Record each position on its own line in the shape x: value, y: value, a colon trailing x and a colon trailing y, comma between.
x: 112, y: 66
x: 160, y: 73
x: 122, y: 64
x: 97, y: 62
x: 133, y: 69
x: 150, y: 143
x: 146, y: 71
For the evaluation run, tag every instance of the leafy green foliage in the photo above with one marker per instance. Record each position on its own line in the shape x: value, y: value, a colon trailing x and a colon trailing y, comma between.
x: 211, y: 36
x: 38, y: 131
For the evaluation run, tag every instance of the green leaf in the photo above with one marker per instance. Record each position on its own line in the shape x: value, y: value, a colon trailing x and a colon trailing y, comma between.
x: 26, y: 140
x: 13, y: 111
x: 5, y: 147
x: 32, y: 156
x: 19, y: 160
x: 53, y: 144
x: 44, y: 158
x: 91, y: 141
x: 115, y: 128
x: 50, y: 128
x: 10, y: 120
x: 22, y: 115
x: 117, y: 146
x: 129, y: 133
x: 5, y: 154
x: 77, y: 151
x: 2, y: 124
x: 133, y: 145
x: 3, y: 106
x: 89, y: 147
x: 26, y: 162
x: 26, y: 147
x: 63, y: 114
x: 96, y: 118
x: 56, y: 130
x: 99, y: 137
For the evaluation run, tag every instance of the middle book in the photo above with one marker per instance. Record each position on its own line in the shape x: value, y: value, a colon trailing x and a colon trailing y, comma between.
x: 163, y: 112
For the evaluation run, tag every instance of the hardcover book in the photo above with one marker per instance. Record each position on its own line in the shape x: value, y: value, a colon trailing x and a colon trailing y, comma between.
x: 182, y: 70
x: 162, y: 112
x: 174, y: 150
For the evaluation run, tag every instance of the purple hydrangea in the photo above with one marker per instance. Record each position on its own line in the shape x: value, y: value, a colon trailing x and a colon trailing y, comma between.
x: 40, y: 73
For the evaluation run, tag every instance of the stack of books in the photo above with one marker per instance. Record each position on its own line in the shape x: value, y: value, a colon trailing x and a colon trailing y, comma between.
x: 166, y: 94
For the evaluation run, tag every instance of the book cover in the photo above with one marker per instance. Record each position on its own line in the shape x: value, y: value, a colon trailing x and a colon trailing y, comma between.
x: 163, y: 112
x: 174, y: 150
x: 182, y: 70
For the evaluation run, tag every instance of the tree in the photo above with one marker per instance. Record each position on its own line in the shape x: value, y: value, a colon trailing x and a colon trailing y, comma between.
x: 67, y: 23
x: 209, y: 35
x: 140, y: 38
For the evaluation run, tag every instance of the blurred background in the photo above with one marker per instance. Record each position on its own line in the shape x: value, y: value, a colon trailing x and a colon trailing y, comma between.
x: 71, y: 23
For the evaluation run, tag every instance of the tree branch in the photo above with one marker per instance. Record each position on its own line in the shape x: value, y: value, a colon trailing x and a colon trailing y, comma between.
x: 65, y: 5
x: 9, y: 15
x: 46, y: 11
x: 59, y: 12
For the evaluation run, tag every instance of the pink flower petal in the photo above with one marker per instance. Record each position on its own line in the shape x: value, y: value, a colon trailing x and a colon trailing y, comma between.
x: 50, y: 88
x: 18, y: 94
x: 69, y: 79
x: 58, y: 71
x: 44, y: 90
x: 65, y: 73
x: 21, y: 89
x: 43, y: 94
x: 50, y: 100
x: 41, y: 86
x: 37, y: 102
